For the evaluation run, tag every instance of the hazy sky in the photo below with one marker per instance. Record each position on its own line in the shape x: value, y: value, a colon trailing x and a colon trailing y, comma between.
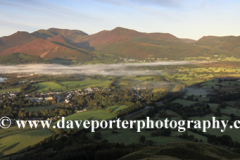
x: 182, y: 18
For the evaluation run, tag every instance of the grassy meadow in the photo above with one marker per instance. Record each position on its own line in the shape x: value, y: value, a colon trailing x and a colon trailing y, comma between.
x: 15, y: 140
x: 96, y: 114
x: 71, y: 85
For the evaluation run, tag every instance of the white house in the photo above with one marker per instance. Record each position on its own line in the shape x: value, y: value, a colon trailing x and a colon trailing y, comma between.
x: 67, y: 100
x: 88, y: 89
x: 49, y: 98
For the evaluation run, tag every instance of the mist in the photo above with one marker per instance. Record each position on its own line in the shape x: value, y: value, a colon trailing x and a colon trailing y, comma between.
x: 121, y: 69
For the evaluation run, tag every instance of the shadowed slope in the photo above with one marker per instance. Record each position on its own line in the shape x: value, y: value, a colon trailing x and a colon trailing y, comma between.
x: 73, y: 38
x: 182, y: 150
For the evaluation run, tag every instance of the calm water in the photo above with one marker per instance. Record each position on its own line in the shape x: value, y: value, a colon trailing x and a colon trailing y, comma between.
x: 2, y: 79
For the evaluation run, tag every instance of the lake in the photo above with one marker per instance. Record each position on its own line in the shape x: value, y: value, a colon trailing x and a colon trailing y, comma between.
x: 2, y: 79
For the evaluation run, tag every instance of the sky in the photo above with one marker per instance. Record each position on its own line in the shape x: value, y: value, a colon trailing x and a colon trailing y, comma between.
x: 183, y: 18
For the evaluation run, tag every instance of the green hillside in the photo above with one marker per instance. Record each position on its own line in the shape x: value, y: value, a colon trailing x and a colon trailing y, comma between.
x: 18, y: 58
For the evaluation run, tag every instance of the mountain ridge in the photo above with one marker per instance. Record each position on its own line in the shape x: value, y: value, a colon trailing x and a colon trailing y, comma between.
x: 122, y: 42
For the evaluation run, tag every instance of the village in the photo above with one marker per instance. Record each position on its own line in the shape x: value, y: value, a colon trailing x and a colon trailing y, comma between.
x: 57, y: 98
x: 61, y: 97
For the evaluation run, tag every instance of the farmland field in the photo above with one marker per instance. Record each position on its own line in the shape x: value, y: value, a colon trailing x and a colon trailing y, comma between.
x: 184, y: 102
x: 209, y: 117
x: 234, y: 133
x: 175, y: 84
x: 128, y: 136
x: 14, y: 140
x: 47, y: 85
x: 96, y: 114
x: 86, y: 83
x: 71, y: 85
x: 9, y: 90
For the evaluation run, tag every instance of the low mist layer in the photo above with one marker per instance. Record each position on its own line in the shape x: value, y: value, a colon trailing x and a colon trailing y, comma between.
x: 123, y: 69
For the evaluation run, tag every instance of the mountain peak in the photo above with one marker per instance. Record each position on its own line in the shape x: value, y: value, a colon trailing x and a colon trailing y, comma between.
x: 65, y: 32
x: 125, y: 31
x: 20, y: 33
x: 120, y: 29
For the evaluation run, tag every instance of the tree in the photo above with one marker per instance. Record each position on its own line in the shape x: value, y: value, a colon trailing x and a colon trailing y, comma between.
x: 149, y: 143
x: 226, y: 140
x: 142, y: 139
x: 97, y: 135
x: 232, y: 116
x: 58, y: 145
x: 166, y: 132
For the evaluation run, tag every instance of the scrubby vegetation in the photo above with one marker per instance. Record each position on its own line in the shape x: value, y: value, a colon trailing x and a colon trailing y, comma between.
x: 18, y: 58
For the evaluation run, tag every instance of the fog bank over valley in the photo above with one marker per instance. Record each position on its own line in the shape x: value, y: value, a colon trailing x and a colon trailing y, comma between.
x: 122, y: 69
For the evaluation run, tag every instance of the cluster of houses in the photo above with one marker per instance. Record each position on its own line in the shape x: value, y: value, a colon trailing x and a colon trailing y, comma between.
x: 80, y: 92
x: 68, y: 98
x: 139, y: 88
x: 7, y: 94
x: 42, y: 97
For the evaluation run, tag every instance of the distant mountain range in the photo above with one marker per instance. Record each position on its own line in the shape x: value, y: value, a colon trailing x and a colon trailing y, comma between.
x: 121, y: 42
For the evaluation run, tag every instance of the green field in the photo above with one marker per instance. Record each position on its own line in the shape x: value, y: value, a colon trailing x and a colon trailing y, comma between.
x: 14, y: 140
x: 230, y: 110
x: 234, y: 133
x: 128, y: 136
x: 184, y: 102
x: 209, y: 117
x: 47, y: 85
x: 40, y: 108
x: 96, y: 114
x: 86, y: 83
x: 9, y: 90
x: 197, y: 91
x: 71, y: 85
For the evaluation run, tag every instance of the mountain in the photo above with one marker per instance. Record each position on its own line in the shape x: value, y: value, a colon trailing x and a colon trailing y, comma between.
x: 47, y: 44
x: 132, y: 44
x: 16, y: 39
x: 186, y: 40
x: 46, y: 50
x: 120, y: 42
x: 73, y: 38
x: 121, y: 35
x: 226, y: 44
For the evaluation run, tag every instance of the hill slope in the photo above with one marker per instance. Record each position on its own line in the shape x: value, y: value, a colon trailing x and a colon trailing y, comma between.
x: 228, y: 44
x: 129, y: 43
x: 18, y: 58
x: 119, y: 42
x: 47, y: 50
x: 182, y: 150
x: 16, y: 39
